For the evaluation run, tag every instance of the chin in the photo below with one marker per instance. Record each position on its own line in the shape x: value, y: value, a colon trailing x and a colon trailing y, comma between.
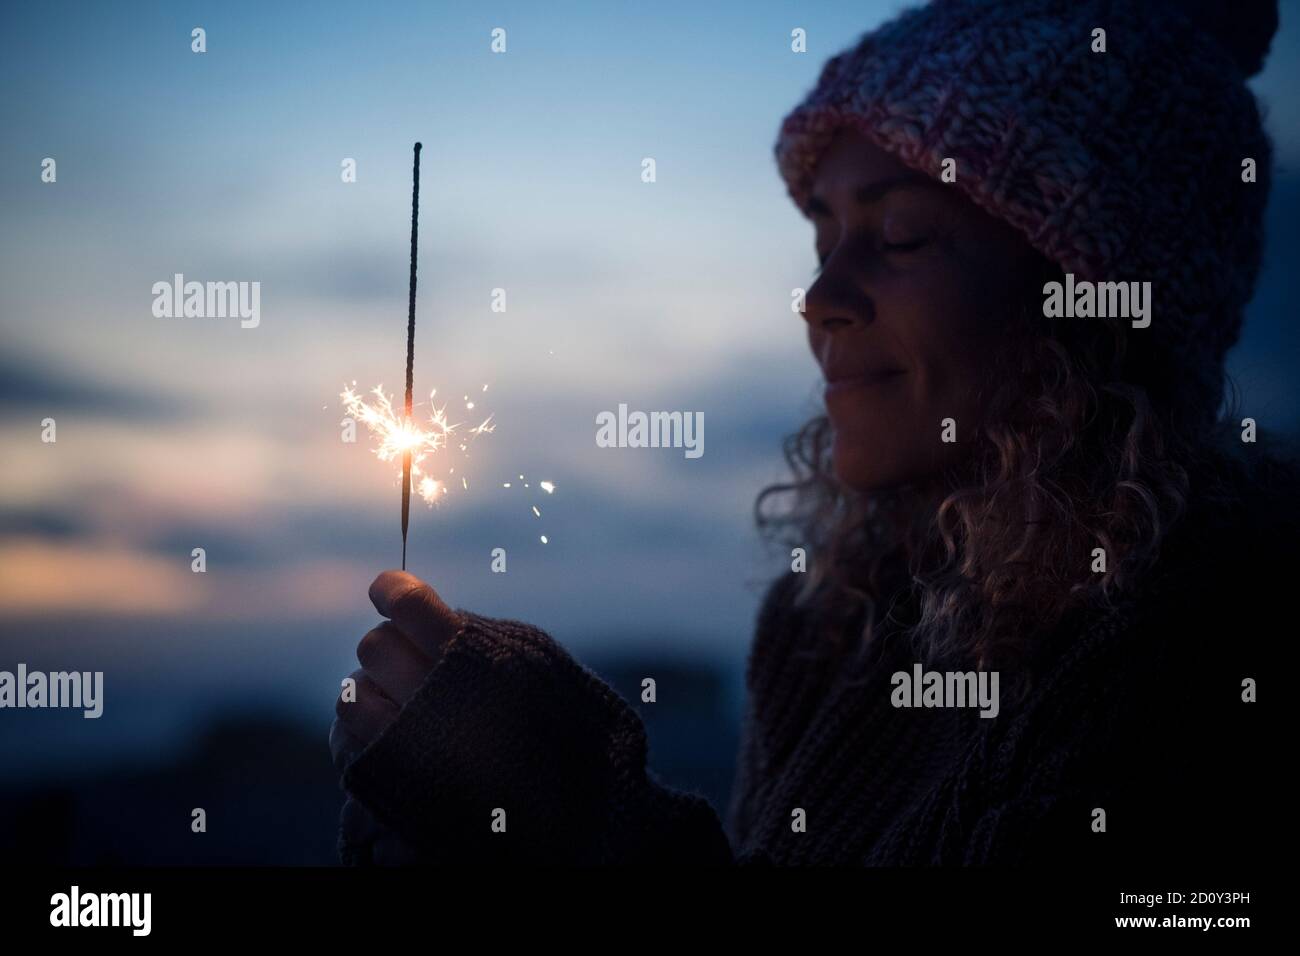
x: 870, y: 466
x: 863, y: 468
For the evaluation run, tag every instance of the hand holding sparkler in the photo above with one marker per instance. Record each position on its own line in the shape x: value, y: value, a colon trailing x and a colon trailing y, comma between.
x: 466, y: 728
x: 395, y: 659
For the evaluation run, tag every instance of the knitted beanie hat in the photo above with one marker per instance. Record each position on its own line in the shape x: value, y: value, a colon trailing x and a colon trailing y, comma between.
x: 1123, y: 165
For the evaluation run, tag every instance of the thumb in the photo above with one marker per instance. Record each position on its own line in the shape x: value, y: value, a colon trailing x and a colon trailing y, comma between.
x: 415, y: 609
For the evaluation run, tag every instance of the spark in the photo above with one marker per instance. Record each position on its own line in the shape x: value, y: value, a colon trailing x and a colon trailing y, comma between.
x: 546, y: 486
x: 395, y: 435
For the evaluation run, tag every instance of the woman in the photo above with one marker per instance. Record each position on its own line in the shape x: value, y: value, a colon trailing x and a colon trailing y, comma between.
x: 1042, y: 560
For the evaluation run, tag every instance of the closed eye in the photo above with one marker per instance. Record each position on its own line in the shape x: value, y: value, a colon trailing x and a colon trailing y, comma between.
x: 913, y: 246
x: 905, y: 246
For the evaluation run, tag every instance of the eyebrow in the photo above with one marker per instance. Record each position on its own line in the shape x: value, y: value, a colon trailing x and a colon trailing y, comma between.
x: 875, y: 192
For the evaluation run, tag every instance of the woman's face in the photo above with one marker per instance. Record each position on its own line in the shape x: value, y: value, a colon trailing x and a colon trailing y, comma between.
x: 911, y: 301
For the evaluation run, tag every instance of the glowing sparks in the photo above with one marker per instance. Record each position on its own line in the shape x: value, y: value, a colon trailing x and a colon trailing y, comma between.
x: 395, y: 435
x: 436, y: 441
x: 546, y: 486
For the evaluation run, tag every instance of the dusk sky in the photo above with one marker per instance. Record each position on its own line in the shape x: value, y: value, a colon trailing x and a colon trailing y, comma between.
x: 177, y: 433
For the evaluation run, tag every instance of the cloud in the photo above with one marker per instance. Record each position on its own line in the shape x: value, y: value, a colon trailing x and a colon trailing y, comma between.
x: 29, y: 384
x: 42, y: 577
x: 103, y: 579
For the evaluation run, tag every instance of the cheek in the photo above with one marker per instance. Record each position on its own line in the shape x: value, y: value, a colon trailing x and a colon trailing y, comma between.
x: 951, y: 341
x: 895, y: 433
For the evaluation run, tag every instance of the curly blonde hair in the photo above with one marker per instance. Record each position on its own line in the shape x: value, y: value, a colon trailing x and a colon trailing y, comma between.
x: 1071, y: 457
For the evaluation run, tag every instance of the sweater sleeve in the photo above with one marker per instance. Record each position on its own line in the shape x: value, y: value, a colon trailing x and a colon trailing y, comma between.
x: 512, y: 752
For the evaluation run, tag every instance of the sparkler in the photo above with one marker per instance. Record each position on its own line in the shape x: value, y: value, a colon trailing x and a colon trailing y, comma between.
x: 398, y: 436
x: 401, y: 436
x: 410, y: 353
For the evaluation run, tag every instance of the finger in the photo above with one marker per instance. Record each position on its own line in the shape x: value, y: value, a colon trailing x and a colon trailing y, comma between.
x: 355, y: 847
x: 391, y: 850
x: 368, y: 715
x: 416, y: 609
x: 362, y: 829
x: 393, y: 662
x: 345, y: 746
x: 358, y: 823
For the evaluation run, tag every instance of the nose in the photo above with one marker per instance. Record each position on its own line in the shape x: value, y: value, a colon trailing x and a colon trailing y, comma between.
x: 834, y: 301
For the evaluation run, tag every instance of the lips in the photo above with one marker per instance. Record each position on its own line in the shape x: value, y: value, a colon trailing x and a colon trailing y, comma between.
x: 851, y: 381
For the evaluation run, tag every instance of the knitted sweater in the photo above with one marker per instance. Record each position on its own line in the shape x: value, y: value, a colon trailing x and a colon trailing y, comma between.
x: 1137, y: 712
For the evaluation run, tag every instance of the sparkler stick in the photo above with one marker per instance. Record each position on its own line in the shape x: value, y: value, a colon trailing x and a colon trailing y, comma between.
x: 398, y: 435
x: 410, y: 351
